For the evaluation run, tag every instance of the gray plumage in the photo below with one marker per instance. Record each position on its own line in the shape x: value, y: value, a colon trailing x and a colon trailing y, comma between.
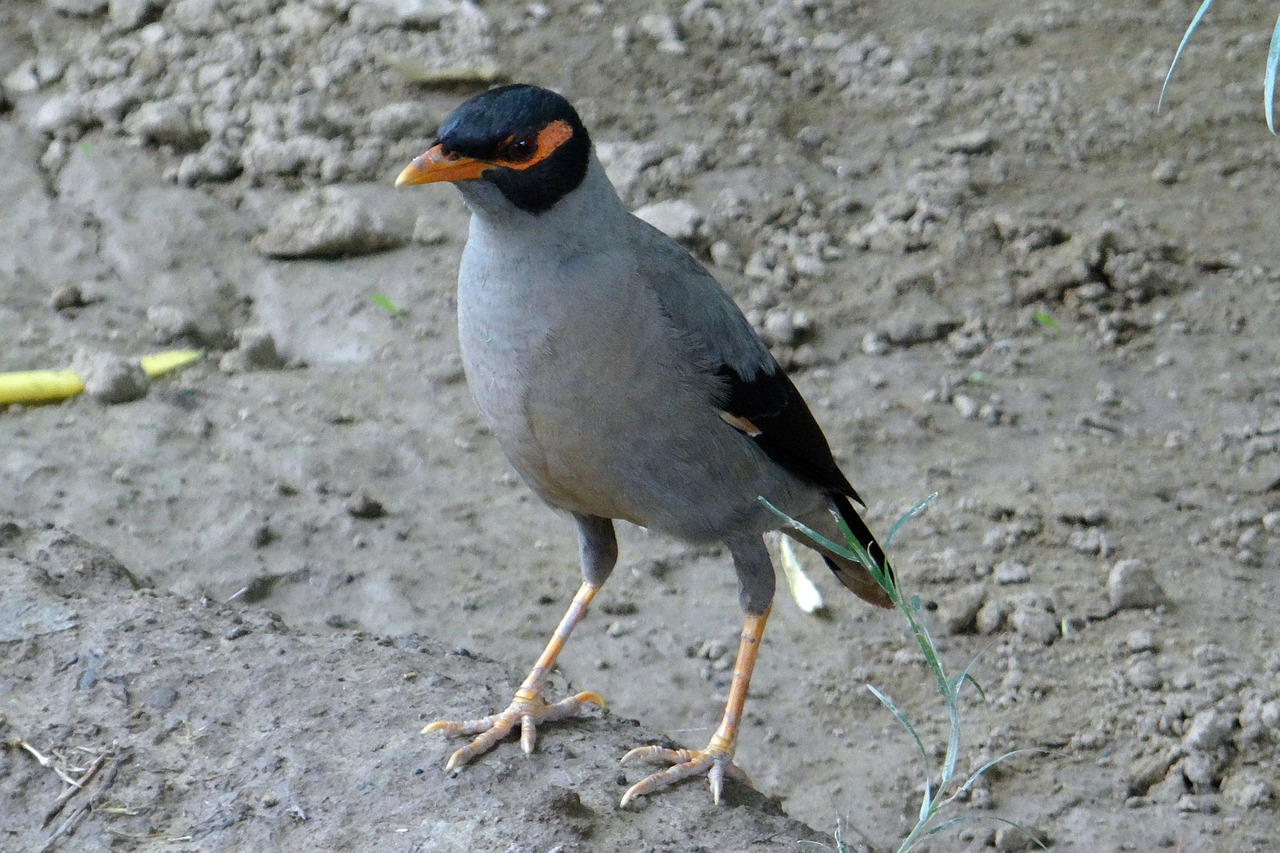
x: 590, y: 341
x: 623, y: 383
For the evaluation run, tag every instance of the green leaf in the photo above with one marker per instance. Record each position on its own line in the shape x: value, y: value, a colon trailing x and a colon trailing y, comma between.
x: 386, y: 304
x: 808, y: 531
x: 893, y: 709
x: 906, y: 516
x: 970, y: 818
x: 1204, y: 7
x: 977, y: 774
x: 1044, y: 318
x: 1269, y: 81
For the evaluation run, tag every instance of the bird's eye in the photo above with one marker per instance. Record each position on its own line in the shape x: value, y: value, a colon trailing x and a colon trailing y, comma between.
x: 521, y: 148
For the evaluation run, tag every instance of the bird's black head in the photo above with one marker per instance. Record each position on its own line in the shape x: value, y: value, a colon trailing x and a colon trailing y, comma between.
x: 526, y: 141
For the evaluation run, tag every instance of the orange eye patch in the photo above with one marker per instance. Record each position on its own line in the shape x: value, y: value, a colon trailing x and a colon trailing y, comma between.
x: 548, y: 140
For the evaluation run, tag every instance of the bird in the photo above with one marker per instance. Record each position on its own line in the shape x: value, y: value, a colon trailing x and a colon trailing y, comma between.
x: 623, y: 383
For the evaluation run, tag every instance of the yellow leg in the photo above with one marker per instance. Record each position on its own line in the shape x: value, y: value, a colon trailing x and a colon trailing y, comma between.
x: 528, y: 708
x: 716, y: 761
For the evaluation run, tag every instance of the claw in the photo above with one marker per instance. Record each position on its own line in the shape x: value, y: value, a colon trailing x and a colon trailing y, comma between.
x: 715, y: 778
x: 528, y: 734
x: 715, y: 761
x: 527, y: 709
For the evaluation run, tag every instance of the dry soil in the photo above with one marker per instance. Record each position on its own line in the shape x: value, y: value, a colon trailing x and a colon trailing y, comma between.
x: 998, y: 274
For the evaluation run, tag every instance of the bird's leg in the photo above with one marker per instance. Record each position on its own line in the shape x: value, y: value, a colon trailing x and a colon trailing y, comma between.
x: 528, y: 708
x: 716, y: 761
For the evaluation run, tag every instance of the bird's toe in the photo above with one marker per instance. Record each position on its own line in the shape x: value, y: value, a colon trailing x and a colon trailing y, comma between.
x: 714, y: 762
x: 526, y: 711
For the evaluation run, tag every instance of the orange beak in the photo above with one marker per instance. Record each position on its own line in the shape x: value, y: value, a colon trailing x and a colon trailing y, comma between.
x: 436, y: 166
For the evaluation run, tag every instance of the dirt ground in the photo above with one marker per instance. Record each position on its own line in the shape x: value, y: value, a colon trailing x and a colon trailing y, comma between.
x: 995, y: 271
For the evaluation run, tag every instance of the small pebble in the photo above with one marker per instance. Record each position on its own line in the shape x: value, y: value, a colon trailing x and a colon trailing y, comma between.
x: 129, y: 14
x: 1092, y: 541
x: 966, y: 406
x: 1203, y: 770
x: 1132, y: 585
x: 1165, y: 172
x: 1246, y: 790
x: 1016, y: 838
x: 328, y: 223
x: 971, y: 142
x: 1033, y: 622
x: 169, y: 322
x: 958, y: 611
x: 1210, y: 730
x: 1270, y: 716
x: 909, y: 332
x: 111, y: 379
x: 725, y: 256
x: 168, y: 122
x: 1146, y: 772
x: 361, y: 505
x: 256, y: 351
x: 1010, y: 572
x: 990, y: 617
x: 259, y: 348
x: 779, y: 329
x: 1209, y: 655
x: 875, y: 343
x: 1144, y: 675
x: 1140, y: 641
x: 67, y: 296
x: 663, y: 29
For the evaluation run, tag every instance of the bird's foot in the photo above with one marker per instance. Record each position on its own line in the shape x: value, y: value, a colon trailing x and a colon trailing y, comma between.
x: 527, y: 709
x: 715, y: 762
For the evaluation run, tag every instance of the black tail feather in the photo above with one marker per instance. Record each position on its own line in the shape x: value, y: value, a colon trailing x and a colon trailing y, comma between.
x: 855, y: 580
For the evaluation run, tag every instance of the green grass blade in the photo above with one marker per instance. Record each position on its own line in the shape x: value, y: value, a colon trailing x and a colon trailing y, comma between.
x: 977, y: 774
x: 906, y: 516
x: 1269, y: 81
x: 953, y: 746
x: 893, y: 709
x: 957, y: 681
x: 969, y: 818
x: 1204, y: 7
x: 808, y: 531
x: 853, y: 546
x: 950, y: 822
x: 1044, y: 318
x: 385, y: 304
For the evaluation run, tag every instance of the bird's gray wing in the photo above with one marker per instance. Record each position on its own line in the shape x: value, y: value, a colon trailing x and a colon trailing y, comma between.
x: 758, y: 397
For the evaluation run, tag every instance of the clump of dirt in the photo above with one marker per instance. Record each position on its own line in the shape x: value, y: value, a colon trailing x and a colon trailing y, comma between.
x: 159, y: 722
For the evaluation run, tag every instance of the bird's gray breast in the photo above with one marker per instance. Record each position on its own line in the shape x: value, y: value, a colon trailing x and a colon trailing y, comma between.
x: 602, y: 400
x: 555, y: 348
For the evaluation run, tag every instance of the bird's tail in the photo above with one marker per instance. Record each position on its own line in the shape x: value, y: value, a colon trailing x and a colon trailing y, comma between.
x: 852, y: 574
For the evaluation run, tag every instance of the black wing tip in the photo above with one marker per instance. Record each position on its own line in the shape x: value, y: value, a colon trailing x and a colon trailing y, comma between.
x: 878, y: 595
x: 787, y: 431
